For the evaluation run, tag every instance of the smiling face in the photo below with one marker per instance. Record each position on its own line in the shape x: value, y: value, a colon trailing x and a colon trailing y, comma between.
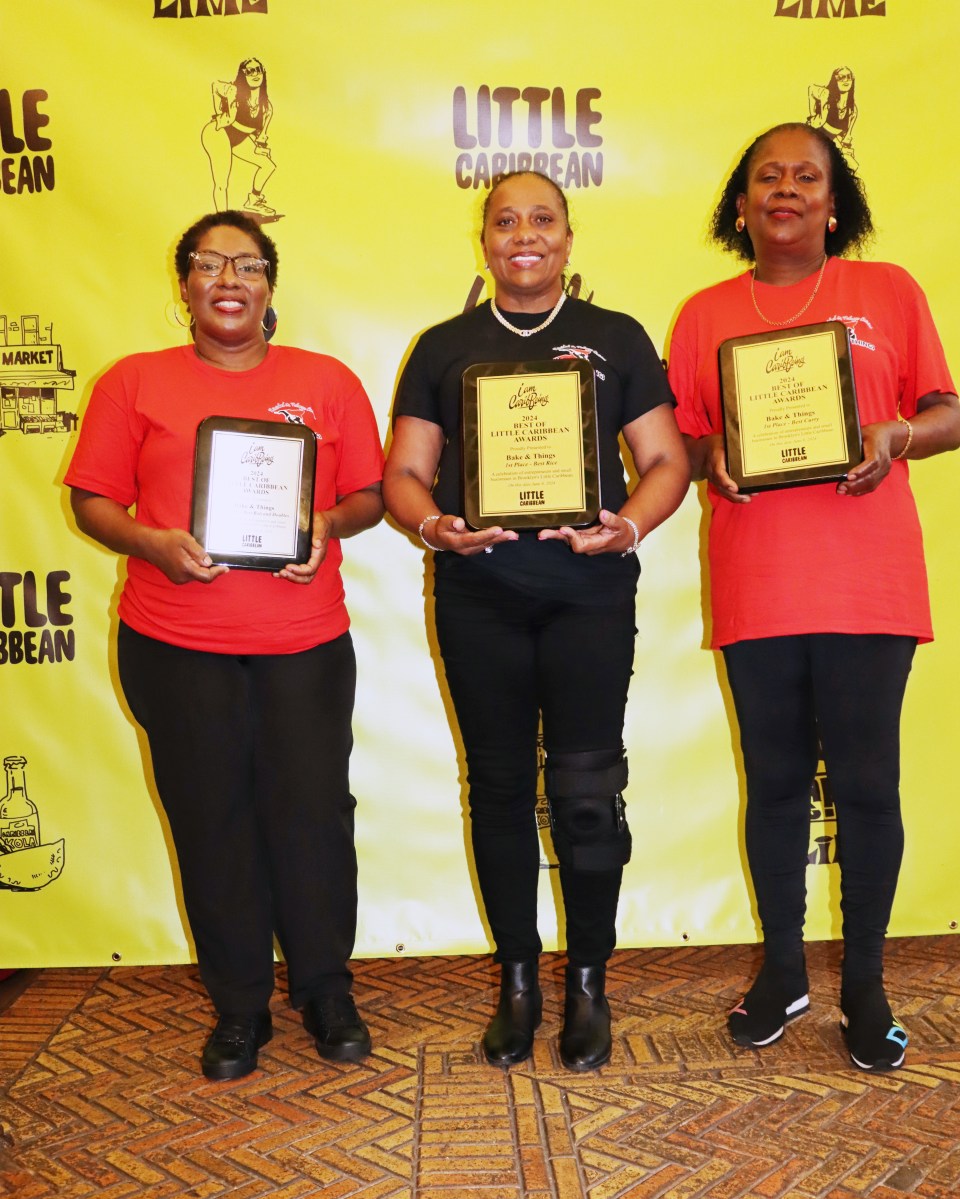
x: 788, y: 200
x: 844, y: 78
x: 526, y: 241
x: 227, y: 310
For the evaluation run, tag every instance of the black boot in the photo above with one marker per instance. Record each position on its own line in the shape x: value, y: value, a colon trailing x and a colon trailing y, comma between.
x: 585, y: 1036
x: 509, y: 1035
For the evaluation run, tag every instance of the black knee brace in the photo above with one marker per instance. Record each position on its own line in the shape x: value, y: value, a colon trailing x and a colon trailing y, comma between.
x: 587, y: 810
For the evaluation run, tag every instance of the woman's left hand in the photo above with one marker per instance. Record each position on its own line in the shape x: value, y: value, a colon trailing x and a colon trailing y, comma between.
x: 351, y: 514
x: 878, y: 452
x: 305, y: 571
x: 933, y: 429
x: 612, y: 535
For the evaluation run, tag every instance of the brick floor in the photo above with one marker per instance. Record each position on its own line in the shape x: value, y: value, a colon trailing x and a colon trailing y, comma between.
x: 102, y: 1097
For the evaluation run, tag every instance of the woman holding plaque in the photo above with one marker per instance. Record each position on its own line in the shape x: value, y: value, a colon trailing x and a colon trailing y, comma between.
x: 819, y: 593
x: 243, y: 679
x: 539, y: 623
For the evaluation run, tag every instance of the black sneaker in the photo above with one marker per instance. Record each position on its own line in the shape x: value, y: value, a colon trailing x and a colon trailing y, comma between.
x: 875, y: 1039
x: 764, y: 1012
x: 231, y: 1049
x: 336, y: 1027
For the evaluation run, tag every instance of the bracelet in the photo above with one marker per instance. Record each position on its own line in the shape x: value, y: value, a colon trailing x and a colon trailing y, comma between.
x: 903, y: 453
x: 437, y: 549
x: 636, y: 538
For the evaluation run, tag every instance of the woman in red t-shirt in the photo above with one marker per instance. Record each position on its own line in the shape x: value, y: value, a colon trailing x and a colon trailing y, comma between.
x: 818, y: 593
x: 243, y: 679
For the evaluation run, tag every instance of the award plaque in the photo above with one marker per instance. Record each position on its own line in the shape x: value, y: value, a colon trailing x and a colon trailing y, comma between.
x: 529, y: 434
x: 789, y: 407
x: 253, y: 492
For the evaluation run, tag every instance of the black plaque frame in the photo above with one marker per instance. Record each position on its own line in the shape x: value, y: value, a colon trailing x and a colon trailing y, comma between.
x: 794, y: 470
x: 206, y: 498
x: 477, y: 514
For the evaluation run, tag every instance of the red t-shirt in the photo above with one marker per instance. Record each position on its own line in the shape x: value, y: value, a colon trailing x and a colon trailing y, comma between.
x: 136, y: 446
x: 804, y: 559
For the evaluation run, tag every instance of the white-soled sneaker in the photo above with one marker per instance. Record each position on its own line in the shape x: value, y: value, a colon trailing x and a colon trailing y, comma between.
x: 875, y: 1039
x: 764, y: 1012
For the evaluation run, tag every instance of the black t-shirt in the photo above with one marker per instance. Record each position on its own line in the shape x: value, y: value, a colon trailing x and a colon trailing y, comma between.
x: 630, y: 381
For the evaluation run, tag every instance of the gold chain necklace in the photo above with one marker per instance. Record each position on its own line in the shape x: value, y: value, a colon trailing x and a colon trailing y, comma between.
x: 526, y: 332
x: 790, y: 319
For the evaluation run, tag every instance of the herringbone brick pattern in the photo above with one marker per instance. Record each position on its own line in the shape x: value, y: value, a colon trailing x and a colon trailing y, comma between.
x: 102, y: 1096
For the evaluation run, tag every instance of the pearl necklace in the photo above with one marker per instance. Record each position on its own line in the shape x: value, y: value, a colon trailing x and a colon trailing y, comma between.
x: 790, y: 319
x: 527, y: 332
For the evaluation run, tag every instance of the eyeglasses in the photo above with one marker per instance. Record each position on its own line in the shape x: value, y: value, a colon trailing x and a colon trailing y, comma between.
x: 844, y: 77
x: 253, y: 70
x: 212, y: 264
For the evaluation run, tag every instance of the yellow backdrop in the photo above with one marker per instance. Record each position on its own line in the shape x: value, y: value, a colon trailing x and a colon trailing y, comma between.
x: 387, y: 121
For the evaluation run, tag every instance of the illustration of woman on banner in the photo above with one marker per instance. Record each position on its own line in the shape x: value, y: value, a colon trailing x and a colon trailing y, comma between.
x: 833, y: 108
x: 238, y: 130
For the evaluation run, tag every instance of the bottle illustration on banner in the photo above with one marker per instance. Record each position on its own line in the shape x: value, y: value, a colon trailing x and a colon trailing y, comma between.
x: 237, y: 134
x: 26, y: 864
x: 19, y: 822
x: 548, y: 855
x: 822, y: 849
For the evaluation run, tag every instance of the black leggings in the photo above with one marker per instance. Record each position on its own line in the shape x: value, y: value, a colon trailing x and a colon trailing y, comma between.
x: 250, y: 755
x: 794, y: 695
x: 508, y: 658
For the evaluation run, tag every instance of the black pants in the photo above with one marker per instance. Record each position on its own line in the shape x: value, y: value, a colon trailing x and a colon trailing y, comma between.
x: 844, y: 693
x: 508, y: 659
x: 250, y: 755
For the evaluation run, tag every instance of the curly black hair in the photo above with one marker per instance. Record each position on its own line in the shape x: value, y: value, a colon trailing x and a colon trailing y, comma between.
x: 854, y: 222
x: 235, y: 220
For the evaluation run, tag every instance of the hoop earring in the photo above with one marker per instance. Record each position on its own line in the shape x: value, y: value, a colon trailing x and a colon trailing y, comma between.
x: 740, y: 224
x: 832, y: 224
x: 269, y: 323
x: 183, y: 324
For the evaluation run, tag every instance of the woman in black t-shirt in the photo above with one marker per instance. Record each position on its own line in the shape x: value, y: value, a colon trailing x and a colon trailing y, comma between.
x: 540, y: 624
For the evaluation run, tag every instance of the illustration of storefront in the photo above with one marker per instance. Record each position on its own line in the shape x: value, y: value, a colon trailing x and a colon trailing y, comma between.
x: 31, y: 374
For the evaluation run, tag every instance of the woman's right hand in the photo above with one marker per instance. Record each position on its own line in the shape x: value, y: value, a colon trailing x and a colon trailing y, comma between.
x: 714, y: 469
x: 407, y: 489
x: 180, y: 556
x: 452, y: 533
